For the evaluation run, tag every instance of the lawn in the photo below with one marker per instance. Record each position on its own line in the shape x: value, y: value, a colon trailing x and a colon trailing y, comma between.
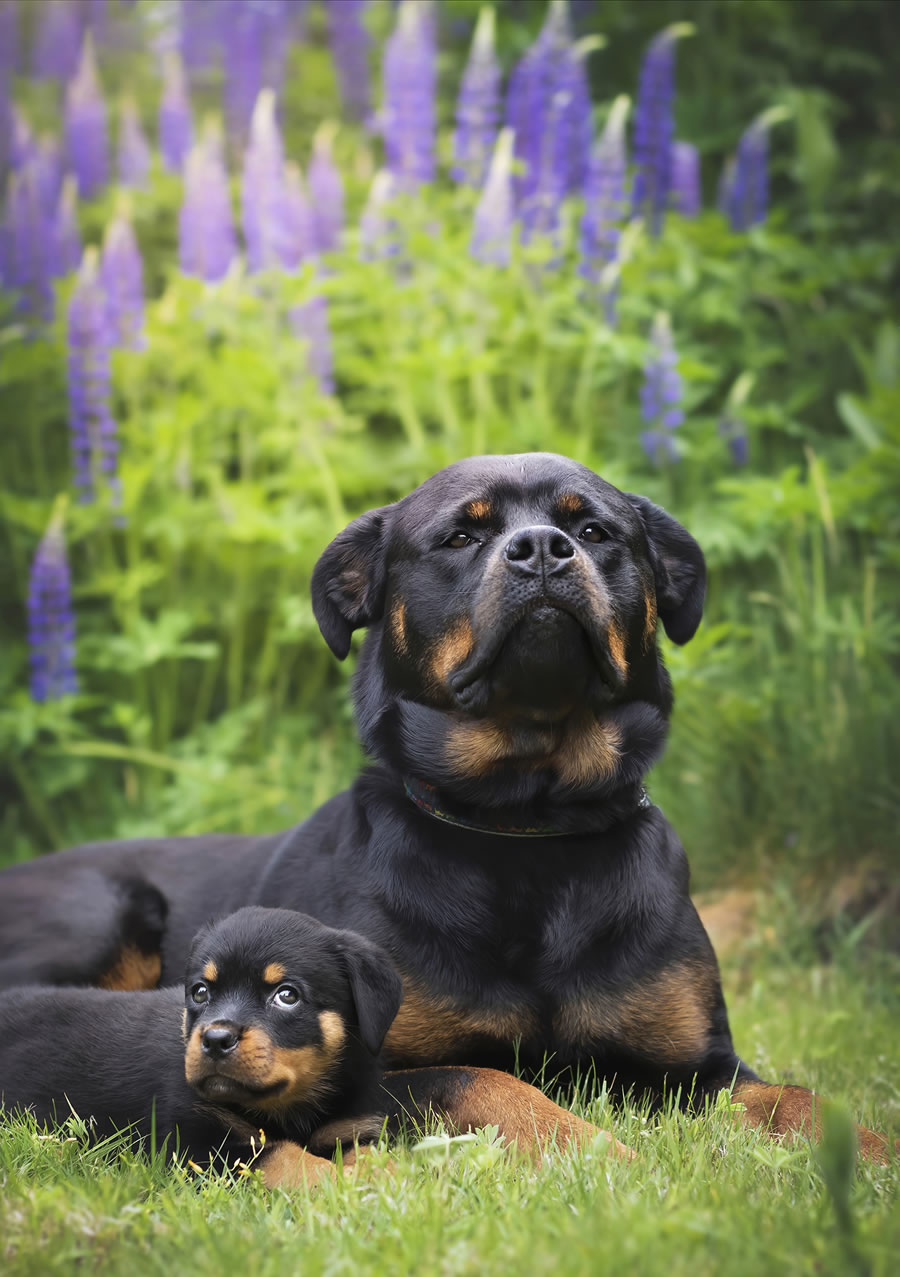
x: 702, y: 1196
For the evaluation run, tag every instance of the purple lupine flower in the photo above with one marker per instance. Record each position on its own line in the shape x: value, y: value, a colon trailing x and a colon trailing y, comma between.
x: 6, y: 122
x: 96, y: 18
x: 661, y: 394
x: 176, y: 125
x: 85, y: 125
x: 263, y: 195
x: 377, y: 230
x: 58, y: 44
x: 134, y: 149
x: 206, y: 239
x: 478, y: 106
x: 350, y: 44
x: 734, y: 431
x: 604, y: 210
x: 310, y: 324
x: 65, y: 252
x: 654, y: 127
x: 122, y: 277
x: 685, y: 179
x: 200, y: 33
x: 95, y: 447
x: 22, y: 145
x: 255, y: 40
x: 301, y: 242
x: 326, y: 193
x: 51, y: 619
x: 9, y: 35
x: 747, y: 197
x: 494, y: 215
x: 410, y: 74
x: 47, y: 164
x: 27, y: 270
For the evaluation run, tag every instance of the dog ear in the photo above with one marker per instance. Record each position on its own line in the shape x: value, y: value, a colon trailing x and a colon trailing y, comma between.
x: 377, y: 988
x: 679, y: 568
x: 348, y: 580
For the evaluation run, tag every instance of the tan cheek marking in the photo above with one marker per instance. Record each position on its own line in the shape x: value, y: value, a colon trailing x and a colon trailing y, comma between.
x: 668, y: 1017
x: 132, y: 970
x: 398, y: 628
x: 210, y: 972
x: 184, y: 1032
x: 305, y: 1070
x: 274, y: 973
x: 479, y: 509
x: 451, y: 650
x: 589, y: 753
x: 570, y: 503
x: 617, y: 650
x: 333, y: 1032
x: 195, y: 1065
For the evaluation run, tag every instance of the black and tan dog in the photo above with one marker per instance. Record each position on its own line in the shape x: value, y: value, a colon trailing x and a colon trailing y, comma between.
x: 502, y: 849
x: 279, y: 1028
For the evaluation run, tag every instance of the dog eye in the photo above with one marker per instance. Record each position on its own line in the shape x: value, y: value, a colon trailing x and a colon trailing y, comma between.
x: 459, y: 541
x: 200, y: 994
x: 286, y: 996
x: 593, y: 532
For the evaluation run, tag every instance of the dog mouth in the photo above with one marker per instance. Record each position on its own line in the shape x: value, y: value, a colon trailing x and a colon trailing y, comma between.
x: 225, y: 1089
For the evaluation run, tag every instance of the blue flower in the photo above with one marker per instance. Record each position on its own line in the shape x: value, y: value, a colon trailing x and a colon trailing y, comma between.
x: 58, y: 40
x: 410, y: 72
x: 134, y: 150
x: 28, y: 236
x: 654, y: 127
x: 746, y: 196
x: 122, y: 276
x: 95, y: 447
x: 176, y: 125
x: 661, y: 394
x: 350, y: 43
x: 206, y: 239
x: 478, y: 107
x: 326, y: 193
x: 85, y: 125
x: 51, y: 619
x: 604, y: 210
x: 494, y: 215
x: 685, y: 179
x: 263, y: 194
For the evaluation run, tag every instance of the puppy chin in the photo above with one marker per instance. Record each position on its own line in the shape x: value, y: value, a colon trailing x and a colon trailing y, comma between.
x: 222, y: 1089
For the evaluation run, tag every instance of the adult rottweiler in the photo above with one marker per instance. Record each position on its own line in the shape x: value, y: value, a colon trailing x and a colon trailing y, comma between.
x: 502, y: 848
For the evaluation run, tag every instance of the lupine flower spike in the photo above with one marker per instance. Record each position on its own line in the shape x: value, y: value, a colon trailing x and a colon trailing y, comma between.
x: 310, y: 323
x: 493, y: 224
x: 745, y: 191
x: 410, y: 70
x: 376, y: 228
x: 661, y: 394
x: 122, y: 276
x: 28, y: 267
x: 134, y: 150
x: 478, y: 107
x: 95, y: 446
x: 604, y: 211
x: 654, y: 127
x: 206, y: 239
x: 685, y: 179
x: 66, y: 247
x: 350, y: 42
x: 301, y: 242
x: 732, y: 427
x: 176, y: 127
x: 85, y: 125
x: 326, y: 192
x: 58, y: 40
x: 263, y: 195
x: 51, y: 619
x: 47, y: 163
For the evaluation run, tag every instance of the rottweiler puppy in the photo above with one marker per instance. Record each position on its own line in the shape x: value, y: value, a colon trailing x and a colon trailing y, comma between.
x: 278, y: 1027
x: 502, y: 848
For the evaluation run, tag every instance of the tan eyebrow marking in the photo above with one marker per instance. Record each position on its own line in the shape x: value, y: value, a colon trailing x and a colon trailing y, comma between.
x: 274, y: 973
x: 569, y: 503
x: 478, y: 509
x: 210, y: 971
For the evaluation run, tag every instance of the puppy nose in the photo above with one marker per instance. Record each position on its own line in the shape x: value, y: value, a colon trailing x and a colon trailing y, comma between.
x: 219, y: 1039
x: 533, y: 551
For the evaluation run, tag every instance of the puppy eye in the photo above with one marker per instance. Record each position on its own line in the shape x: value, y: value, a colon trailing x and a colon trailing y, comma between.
x: 286, y: 996
x: 200, y: 994
x: 459, y: 541
x: 593, y: 532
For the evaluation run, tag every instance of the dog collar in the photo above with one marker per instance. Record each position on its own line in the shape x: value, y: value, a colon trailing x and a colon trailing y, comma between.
x: 426, y: 798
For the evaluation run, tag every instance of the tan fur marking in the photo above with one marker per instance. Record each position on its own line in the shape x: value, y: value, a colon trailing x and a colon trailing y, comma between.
x: 649, y: 620
x: 274, y: 973
x: 793, y: 1110
x: 210, y: 972
x: 398, y: 627
x: 479, y: 509
x: 132, y: 970
x: 570, y: 503
x: 668, y: 1017
x: 287, y: 1166
x: 429, y: 1029
x: 588, y: 753
x: 451, y: 650
x: 616, y: 643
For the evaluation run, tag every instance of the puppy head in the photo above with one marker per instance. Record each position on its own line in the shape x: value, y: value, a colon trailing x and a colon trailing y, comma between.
x: 281, y: 1011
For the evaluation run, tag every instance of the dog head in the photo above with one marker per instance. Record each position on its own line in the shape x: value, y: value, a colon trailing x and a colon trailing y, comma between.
x: 516, y: 597
x: 281, y: 1010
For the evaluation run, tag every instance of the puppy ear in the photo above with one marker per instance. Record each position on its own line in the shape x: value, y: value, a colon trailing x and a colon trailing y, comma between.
x: 679, y: 568
x: 348, y: 580
x: 377, y: 988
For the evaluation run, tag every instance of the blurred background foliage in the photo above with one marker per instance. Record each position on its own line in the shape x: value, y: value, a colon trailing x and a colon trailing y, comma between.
x: 207, y: 698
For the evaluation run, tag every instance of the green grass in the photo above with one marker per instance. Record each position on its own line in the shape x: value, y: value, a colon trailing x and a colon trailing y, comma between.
x: 701, y: 1197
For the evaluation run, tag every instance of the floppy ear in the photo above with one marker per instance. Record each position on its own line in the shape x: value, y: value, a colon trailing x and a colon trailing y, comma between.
x: 377, y: 988
x: 679, y: 568
x: 348, y: 580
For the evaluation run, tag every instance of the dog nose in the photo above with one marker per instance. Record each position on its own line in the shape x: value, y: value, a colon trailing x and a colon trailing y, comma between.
x: 219, y: 1039
x: 533, y: 551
